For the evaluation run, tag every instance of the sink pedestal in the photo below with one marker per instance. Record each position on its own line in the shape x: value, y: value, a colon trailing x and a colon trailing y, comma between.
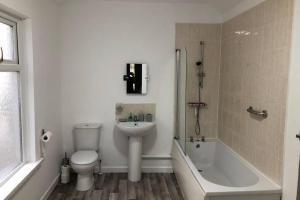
x: 135, y: 131
x: 135, y: 159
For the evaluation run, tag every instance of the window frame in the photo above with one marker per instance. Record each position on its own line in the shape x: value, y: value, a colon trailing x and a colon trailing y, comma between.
x: 15, y: 66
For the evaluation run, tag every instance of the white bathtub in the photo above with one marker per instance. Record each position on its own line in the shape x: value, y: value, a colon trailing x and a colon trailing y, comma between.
x: 223, y: 174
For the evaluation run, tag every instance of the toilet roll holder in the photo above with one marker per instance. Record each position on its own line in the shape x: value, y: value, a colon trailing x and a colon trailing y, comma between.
x: 43, y: 140
x: 43, y: 136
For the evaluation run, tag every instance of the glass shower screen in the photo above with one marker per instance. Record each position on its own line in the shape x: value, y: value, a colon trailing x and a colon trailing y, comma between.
x: 181, y: 72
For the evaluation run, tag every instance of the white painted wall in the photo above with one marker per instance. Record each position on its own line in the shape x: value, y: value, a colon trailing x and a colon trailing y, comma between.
x: 43, y: 17
x: 98, y: 39
x: 292, y: 145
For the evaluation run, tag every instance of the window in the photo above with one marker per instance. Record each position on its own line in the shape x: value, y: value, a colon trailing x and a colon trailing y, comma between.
x: 11, y: 153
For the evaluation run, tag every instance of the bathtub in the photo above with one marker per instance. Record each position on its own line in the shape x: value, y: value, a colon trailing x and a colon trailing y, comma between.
x: 213, y: 171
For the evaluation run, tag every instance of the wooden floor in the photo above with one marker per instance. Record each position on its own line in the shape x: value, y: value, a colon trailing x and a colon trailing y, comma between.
x: 117, y: 187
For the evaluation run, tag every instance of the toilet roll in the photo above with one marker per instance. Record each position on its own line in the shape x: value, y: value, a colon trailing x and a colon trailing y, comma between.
x: 46, y: 136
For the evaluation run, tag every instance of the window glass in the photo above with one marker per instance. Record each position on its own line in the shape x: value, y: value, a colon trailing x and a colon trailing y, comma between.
x: 7, y: 41
x: 10, y: 123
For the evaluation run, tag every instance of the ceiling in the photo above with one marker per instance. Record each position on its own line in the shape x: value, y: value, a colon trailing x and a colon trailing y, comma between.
x: 221, y: 5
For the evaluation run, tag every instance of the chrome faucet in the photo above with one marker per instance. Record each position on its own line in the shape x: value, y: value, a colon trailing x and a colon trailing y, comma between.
x: 191, y: 139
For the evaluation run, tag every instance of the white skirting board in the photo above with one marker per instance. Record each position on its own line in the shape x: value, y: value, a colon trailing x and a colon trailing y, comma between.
x: 50, y: 188
x: 124, y: 169
x: 150, y: 164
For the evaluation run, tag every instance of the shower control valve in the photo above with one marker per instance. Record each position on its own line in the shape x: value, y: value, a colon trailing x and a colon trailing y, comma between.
x: 298, y: 136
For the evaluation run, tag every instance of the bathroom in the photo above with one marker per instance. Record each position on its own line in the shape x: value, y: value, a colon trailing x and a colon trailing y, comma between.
x: 71, y: 57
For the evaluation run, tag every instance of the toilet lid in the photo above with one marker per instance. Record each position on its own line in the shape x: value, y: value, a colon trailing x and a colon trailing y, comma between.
x: 84, y: 157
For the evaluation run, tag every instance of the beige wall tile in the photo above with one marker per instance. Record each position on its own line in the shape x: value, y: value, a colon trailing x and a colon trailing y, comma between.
x: 182, y: 31
x: 254, y: 71
x: 135, y: 109
x: 189, y: 36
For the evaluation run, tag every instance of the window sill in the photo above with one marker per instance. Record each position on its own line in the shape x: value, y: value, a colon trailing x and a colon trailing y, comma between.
x: 18, y: 179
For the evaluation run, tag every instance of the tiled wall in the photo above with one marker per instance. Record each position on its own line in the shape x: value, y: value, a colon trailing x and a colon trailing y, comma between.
x: 189, y: 36
x: 123, y: 110
x: 254, y: 71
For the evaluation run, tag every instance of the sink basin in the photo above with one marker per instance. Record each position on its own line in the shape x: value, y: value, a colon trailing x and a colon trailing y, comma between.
x: 135, y: 129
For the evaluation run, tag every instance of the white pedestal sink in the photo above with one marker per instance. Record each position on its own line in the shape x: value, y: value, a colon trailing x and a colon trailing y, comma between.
x: 135, y: 131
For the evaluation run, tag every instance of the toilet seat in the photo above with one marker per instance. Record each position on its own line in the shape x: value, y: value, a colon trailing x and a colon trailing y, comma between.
x: 84, y: 157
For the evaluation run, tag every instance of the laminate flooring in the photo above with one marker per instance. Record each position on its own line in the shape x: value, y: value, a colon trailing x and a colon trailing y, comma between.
x: 116, y: 186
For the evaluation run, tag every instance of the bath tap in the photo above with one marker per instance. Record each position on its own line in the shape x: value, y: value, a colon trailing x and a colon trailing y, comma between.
x: 191, y: 139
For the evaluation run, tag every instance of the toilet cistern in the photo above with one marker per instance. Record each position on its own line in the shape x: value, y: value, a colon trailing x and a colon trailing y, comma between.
x: 135, y: 131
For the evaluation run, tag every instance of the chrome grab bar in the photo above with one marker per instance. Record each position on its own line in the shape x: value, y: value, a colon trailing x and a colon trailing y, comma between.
x: 262, y: 114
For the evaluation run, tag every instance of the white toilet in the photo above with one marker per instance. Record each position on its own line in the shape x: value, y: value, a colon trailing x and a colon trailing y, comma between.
x: 85, y: 158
